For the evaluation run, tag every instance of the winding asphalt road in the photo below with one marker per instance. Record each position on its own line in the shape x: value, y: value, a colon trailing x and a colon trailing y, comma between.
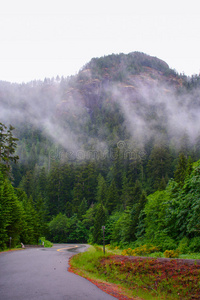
x: 41, y: 274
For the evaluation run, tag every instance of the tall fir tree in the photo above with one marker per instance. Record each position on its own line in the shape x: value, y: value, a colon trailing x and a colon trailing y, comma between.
x: 101, y: 190
x: 180, y: 171
x: 112, y: 197
x: 99, y: 221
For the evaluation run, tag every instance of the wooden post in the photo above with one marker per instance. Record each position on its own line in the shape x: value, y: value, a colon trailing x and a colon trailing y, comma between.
x: 103, y: 227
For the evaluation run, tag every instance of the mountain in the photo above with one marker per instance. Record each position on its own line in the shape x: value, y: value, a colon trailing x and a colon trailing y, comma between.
x: 133, y: 100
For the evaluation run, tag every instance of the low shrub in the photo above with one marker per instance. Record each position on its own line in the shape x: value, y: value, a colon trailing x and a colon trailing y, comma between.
x: 140, y: 251
x: 47, y: 244
x: 172, y: 253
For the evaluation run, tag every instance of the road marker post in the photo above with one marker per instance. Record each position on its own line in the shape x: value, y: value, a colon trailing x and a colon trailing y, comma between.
x: 103, y: 227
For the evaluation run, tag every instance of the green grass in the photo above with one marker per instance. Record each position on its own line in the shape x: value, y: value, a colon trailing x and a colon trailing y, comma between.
x: 86, y: 262
x: 190, y: 256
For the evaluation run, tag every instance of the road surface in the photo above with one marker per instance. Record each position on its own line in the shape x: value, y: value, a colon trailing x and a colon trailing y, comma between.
x: 41, y: 274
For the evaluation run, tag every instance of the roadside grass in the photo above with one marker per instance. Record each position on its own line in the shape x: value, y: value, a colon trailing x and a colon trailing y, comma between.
x: 144, y: 278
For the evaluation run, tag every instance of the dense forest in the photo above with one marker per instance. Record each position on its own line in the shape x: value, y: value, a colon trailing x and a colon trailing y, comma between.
x: 117, y: 145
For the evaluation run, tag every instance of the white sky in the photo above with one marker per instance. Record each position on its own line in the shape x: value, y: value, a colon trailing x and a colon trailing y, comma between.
x: 45, y: 38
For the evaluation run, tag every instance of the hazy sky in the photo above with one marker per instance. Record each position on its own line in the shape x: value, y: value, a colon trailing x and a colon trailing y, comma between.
x: 45, y: 38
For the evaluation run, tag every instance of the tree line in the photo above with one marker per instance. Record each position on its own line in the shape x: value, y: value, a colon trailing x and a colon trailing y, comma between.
x: 19, y: 218
x: 151, y: 197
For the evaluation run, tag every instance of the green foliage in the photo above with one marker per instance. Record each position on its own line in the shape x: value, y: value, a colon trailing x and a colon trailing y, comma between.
x: 18, y: 218
x: 183, y: 245
x: 7, y: 145
x: 101, y: 190
x: 194, y: 245
x: 47, y: 244
x: 99, y: 221
x: 112, y: 198
x: 155, y: 211
x: 58, y: 228
x: 121, y: 229
x: 11, y: 213
x: 67, y: 230
x: 159, y: 167
x: 179, y: 174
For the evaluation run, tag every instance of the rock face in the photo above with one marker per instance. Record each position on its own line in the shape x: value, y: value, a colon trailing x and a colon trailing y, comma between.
x: 125, y: 74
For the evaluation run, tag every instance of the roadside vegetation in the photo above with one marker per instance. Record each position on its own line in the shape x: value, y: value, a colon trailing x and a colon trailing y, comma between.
x: 147, y: 278
x: 151, y: 251
x: 42, y: 241
x: 47, y: 244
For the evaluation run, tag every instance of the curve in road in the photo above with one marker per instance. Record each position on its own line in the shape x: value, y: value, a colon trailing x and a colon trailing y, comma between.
x: 41, y: 274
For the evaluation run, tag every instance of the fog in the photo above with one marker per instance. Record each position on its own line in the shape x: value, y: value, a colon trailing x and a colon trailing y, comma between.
x: 157, y: 110
x: 63, y: 111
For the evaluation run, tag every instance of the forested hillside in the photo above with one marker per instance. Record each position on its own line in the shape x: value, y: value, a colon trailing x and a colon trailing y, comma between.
x: 114, y: 145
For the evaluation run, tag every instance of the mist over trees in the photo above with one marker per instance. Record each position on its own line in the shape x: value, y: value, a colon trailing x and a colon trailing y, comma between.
x: 114, y: 145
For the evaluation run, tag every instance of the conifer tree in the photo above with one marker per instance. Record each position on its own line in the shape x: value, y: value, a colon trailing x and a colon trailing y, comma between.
x: 159, y: 166
x: 31, y: 232
x: 135, y: 214
x: 112, y: 198
x: 99, y: 221
x: 2, y: 141
x: 82, y: 209
x: 10, y: 146
x: 7, y: 146
x: 101, y: 190
x: 11, y: 213
x: 180, y: 171
x: 126, y: 192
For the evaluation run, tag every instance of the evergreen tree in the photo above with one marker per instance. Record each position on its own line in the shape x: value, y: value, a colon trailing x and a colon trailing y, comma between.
x: 101, y: 190
x: 117, y: 168
x: 11, y: 213
x: 27, y: 183
x: 180, y: 171
x: 41, y: 215
x: 112, y: 198
x: 7, y: 147
x: 135, y: 214
x: 126, y: 196
x: 159, y: 167
x: 31, y: 233
x: 10, y: 147
x: 82, y: 209
x: 58, y: 189
x: 137, y: 191
x: 99, y: 221
x: 3, y: 136
x: 90, y: 181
